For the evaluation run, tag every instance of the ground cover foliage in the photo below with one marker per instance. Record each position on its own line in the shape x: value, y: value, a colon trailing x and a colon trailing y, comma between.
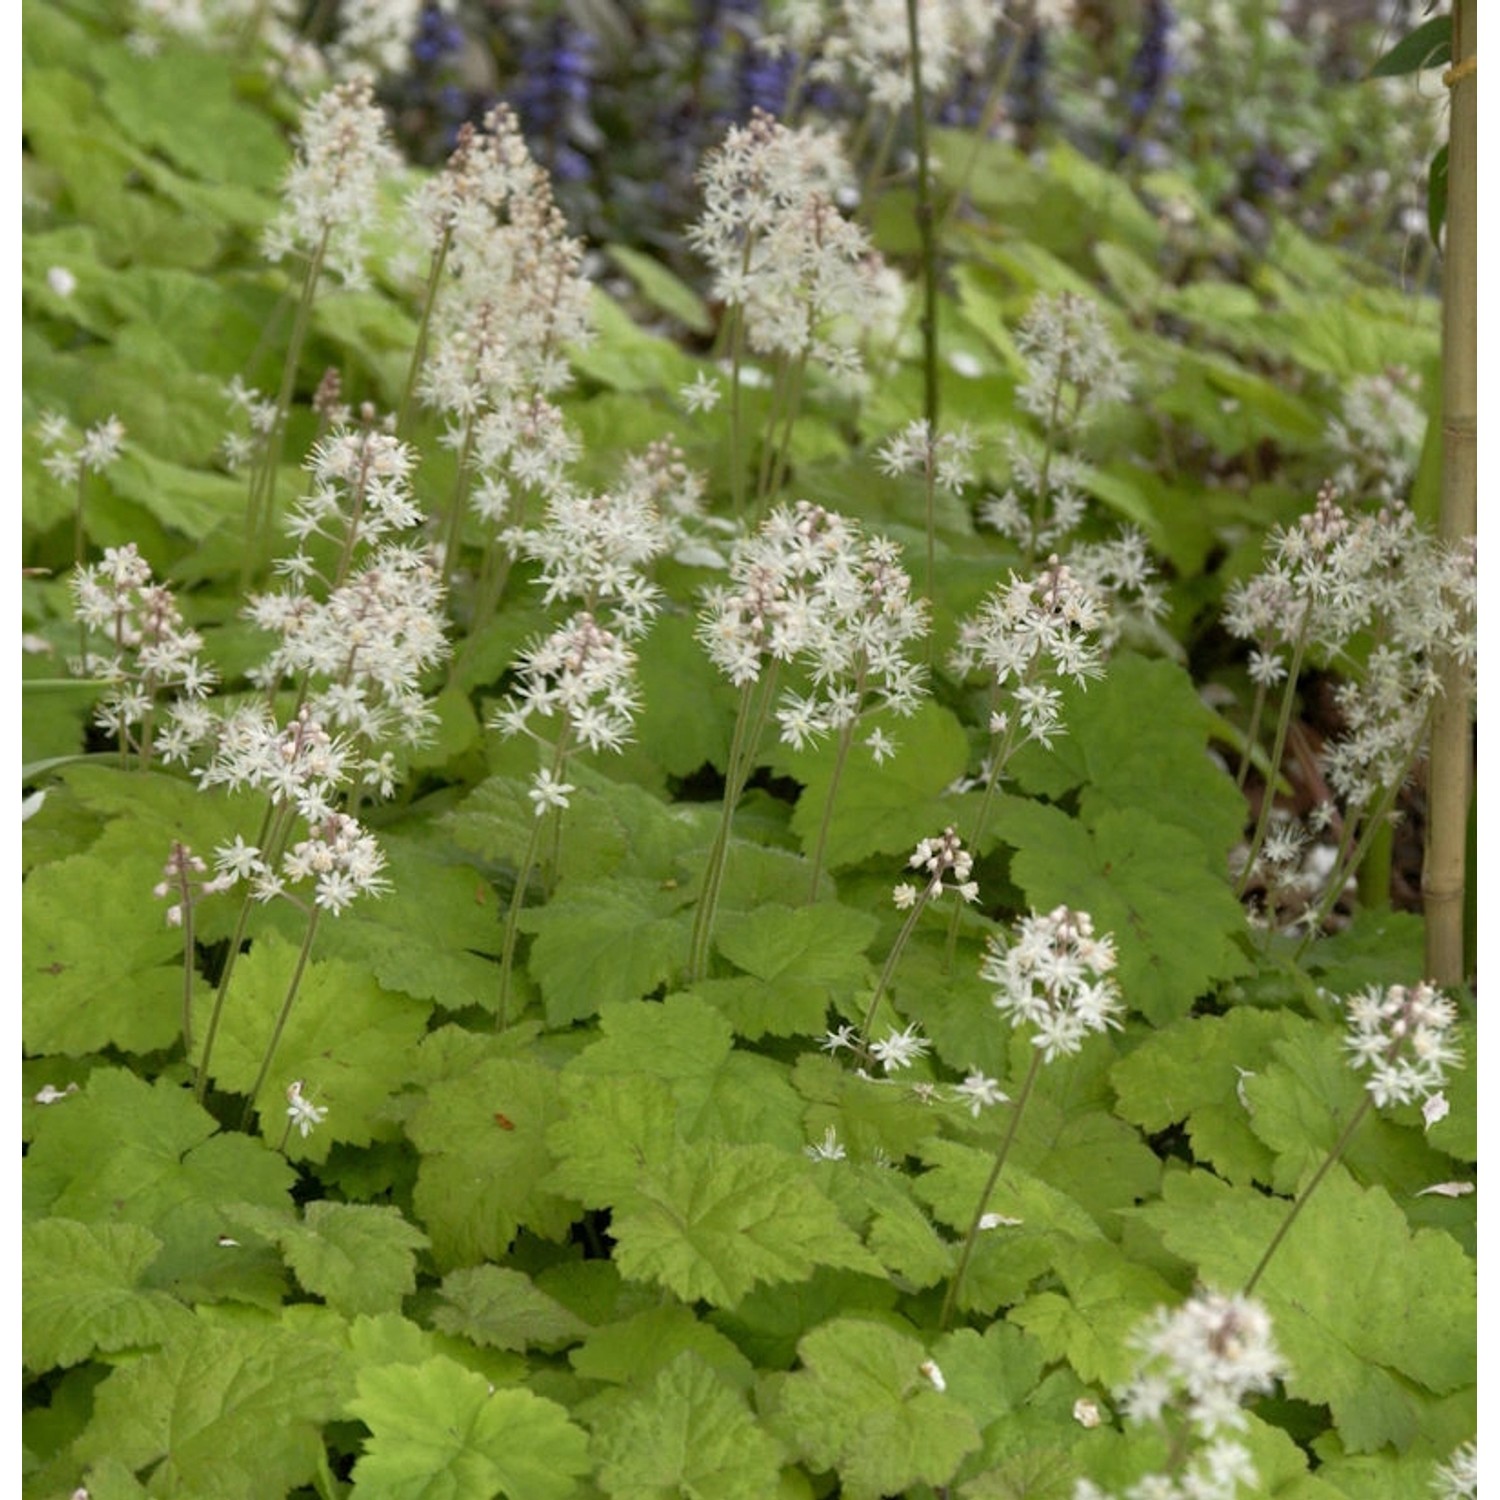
x: 610, y: 909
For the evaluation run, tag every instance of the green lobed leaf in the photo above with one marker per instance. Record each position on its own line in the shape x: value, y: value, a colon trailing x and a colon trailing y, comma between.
x: 106, y: 972
x: 428, y: 937
x: 611, y: 1128
x: 868, y: 1116
x: 1191, y: 1073
x: 124, y: 1151
x: 597, y: 942
x: 714, y: 1221
x: 881, y: 809
x: 1105, y: 1298
x: 504, y: 1309
x: 479, y: 1182
x: 1143, y: 880
x: 81, y: 1291
x: 686, y: 1043
x: 802, y: 960
x: 1035, y: 1218
x: 688, y: 1433
x: 861, y: 1405
x: 184, y: 105
x: 230, y: 1411
x: 440, y: 1432
x: 1137, y: 741
x: 358, y: 1257
x: 634, y: 1350
x: 1373, y: 1319
x: 348, y: 1040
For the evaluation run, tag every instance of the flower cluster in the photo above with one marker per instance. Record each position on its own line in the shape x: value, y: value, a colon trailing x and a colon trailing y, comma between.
x: 151, y: 651
x: 803, y: 276
x: 1458, y: 1479
x: 585, y: 674
x: 338, y: 856
x: 948, y: 866
x: 865, y: 624
x: 181, y: 878
x: 809, y: 587
x: 1073, y: 366
x: 595, y: 548
x: 1378, y: 434
x: 1054, y: 978
x: 332, y: 191
x: 515, y: 291
x: 94, y: 452
x: 1198, y: 1365
x: 766, y: 612
x: 1402, y: 1036
x: 1393, y: 609
x: 1028, y: 634
x: 298, y: 765
x: 869, y: 43
x: 1208, y: 1355
x: 361, y: 650
x: 945, y: 458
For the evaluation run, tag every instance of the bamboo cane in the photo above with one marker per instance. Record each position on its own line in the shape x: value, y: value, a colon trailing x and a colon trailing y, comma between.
x: 1451, y: 764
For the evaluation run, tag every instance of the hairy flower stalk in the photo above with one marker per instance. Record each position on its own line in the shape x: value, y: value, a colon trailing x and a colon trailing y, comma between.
x: 72, y: 463
x: 180, y: 880
x: 1401, y: 1035
x: 808, y: 592
x: 149, y: 653
x: 331, y: 199
x: 1198, y: 1365
x: 584, y: 675
x: 941, y: 460
x: 798, y: 279
x: 947, y: 866
x: 1375, y: 596
x: 506, y: 296
x: 594, y: 550
x: 1054, y: 978
x: 1026, y: 638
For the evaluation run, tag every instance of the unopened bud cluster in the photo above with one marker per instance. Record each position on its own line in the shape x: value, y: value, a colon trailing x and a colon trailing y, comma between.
x: 948, y: 866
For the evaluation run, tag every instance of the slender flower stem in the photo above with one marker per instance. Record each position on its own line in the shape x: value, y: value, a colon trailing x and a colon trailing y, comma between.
x: 518, y: 895
x: 1365, y: 1105
x: 950, y: 1302
x: 281, y: 1020
x: 755, y: 702
x: 841, y: 756
x: 424, y: 328
x: 891, y: 960
x: 187, y: 964
x: 261, y: 516
x: 272, y: 832
x: 1257, y: 711
x: 454, y: 524
x: 1283, y: 724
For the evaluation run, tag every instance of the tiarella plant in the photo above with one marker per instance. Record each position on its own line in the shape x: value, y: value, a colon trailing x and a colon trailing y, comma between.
x: 753, y: 902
